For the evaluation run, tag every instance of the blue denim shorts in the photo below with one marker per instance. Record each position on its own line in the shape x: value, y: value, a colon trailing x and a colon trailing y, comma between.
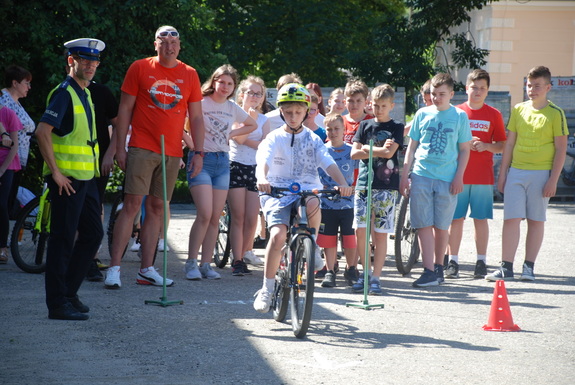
x: 215, y: 171
x: 431, y: 203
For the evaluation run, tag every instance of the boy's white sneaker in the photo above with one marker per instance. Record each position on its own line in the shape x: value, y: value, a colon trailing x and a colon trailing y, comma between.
x: 151, y: 277
x: 263, y: 300
x: 162, y: 245
x: 135, y: 246
x: 252, y: 259
x: 113, y: 278
x: 192, y: 270
x: 208, y: 272
x: 319, y: 262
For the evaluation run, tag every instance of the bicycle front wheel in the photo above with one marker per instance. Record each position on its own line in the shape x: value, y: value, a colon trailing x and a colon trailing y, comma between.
x: 406, y: 244
x: 223, y: 243
x: 302, y: 281
x: 28, y: 245
x: 281, y: 292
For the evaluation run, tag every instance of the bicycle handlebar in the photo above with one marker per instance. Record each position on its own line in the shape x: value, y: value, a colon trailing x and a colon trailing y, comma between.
x: 278, y: 192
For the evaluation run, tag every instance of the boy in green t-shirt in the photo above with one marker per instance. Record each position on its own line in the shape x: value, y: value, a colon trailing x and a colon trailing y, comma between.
x: 530, y: 168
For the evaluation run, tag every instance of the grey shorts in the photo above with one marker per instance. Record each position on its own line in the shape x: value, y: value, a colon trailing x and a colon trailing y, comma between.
x: 523, y: 194
x: 431, y: 203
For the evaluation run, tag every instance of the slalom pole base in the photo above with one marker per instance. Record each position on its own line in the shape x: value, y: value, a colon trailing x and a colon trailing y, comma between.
x: 365, y: 305
x: 163, y: 302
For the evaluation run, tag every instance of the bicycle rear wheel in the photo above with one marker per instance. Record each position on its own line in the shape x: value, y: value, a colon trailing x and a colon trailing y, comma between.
x: 406, y: 244
x: 302, y: 280
x: 281, y: 292
x: 28, y: 246
x: 114, y: 213
x: 223, y: 247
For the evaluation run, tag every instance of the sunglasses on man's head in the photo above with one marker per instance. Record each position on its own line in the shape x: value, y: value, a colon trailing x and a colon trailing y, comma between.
x: 168, y: 33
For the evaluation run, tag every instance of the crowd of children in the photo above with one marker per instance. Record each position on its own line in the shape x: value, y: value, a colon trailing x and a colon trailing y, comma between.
x: 447, y: 171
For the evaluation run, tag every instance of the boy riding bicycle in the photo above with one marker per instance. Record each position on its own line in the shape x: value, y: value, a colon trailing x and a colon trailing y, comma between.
x: 290, y: 154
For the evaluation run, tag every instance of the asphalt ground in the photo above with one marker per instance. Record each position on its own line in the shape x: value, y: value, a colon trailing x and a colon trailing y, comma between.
x: 421, y: 336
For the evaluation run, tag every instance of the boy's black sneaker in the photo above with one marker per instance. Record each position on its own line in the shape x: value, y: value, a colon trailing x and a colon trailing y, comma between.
x: 452, y: 270
x: 438, y: 269
x: 428, y: 278
x: 480, y: 269
x: 501, y: 273
x: 237, y: 268
x: 321, y: 273
x: 260, y: 243
x: 245, y: 267
x: 329, y: 280
x: 351, y: 275
x: 94, y: 274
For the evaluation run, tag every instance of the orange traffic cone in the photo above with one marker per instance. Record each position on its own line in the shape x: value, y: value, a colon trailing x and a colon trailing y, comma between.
x: 500, y: 318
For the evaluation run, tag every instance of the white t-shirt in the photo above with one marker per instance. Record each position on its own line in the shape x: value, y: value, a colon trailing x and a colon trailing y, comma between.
x: 289, y: 164
x: 275, y: 119
x: 244, y: 154
x: 319, y: 118
x: 218, y: 121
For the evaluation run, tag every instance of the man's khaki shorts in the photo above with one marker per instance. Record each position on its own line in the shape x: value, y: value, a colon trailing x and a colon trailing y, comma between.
x: 144, y: 173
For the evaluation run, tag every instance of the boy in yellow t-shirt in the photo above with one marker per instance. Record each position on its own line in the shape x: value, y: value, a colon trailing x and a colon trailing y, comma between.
x: 530, y: 168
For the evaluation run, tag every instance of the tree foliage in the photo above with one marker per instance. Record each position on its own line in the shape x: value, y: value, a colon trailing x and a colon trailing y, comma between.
x: 393, y: 41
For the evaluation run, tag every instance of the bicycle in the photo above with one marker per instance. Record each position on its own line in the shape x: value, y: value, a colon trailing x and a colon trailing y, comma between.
x: 30, y: 234
x: 223, y: 247
x: 117, y: 206
x: 568, y: 172
x: 295, y: 276
x: 405, y: 239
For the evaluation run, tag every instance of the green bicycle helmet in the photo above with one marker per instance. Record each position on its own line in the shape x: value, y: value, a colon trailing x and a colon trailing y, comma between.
x: 293, y: 92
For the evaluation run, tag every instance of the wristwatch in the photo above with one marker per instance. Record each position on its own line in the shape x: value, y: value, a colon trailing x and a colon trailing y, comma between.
x: 200, y: 153
x: 5, y: 133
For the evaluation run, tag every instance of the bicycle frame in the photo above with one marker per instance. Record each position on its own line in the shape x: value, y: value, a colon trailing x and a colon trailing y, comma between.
x: 43, y: 217
x: 295, y: 274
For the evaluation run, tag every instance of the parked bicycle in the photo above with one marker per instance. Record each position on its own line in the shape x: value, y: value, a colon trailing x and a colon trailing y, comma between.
x: 568, y: 172
x: 117, y: 207
x: 223, y: 247
x: 405, y: 239
x: 29, y: 239
x: 295, y: 276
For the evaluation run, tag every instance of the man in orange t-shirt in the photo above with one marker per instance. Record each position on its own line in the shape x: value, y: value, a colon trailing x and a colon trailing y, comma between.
x: 157, y: 95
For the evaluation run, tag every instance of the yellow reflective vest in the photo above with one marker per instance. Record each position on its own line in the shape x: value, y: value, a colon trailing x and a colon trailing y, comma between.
x: 77, y: 153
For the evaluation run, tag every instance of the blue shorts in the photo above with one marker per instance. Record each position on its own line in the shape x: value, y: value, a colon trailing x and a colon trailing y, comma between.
x: 382, y: 210
x: 215, y: 172
x: 523, y: 194
x: 431, y: 203
x: 478, y: 197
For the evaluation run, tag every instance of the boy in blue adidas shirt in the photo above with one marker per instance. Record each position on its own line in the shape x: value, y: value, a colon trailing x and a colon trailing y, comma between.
x: 439, y: 148
x: 337, y: 214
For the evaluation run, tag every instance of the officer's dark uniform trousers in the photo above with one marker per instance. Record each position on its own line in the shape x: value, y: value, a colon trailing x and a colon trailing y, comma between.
x: 75, y: 236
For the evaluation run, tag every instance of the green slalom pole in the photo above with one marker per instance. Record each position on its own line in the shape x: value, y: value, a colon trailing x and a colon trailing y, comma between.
x: 164, y: 299
x: 365, y: 304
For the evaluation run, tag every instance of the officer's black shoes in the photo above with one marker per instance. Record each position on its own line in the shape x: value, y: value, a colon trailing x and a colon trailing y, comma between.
x: 78, y: 305
x: 67, y: 312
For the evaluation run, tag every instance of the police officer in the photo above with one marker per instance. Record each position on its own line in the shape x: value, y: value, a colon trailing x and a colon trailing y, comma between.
x: 67, y: 139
